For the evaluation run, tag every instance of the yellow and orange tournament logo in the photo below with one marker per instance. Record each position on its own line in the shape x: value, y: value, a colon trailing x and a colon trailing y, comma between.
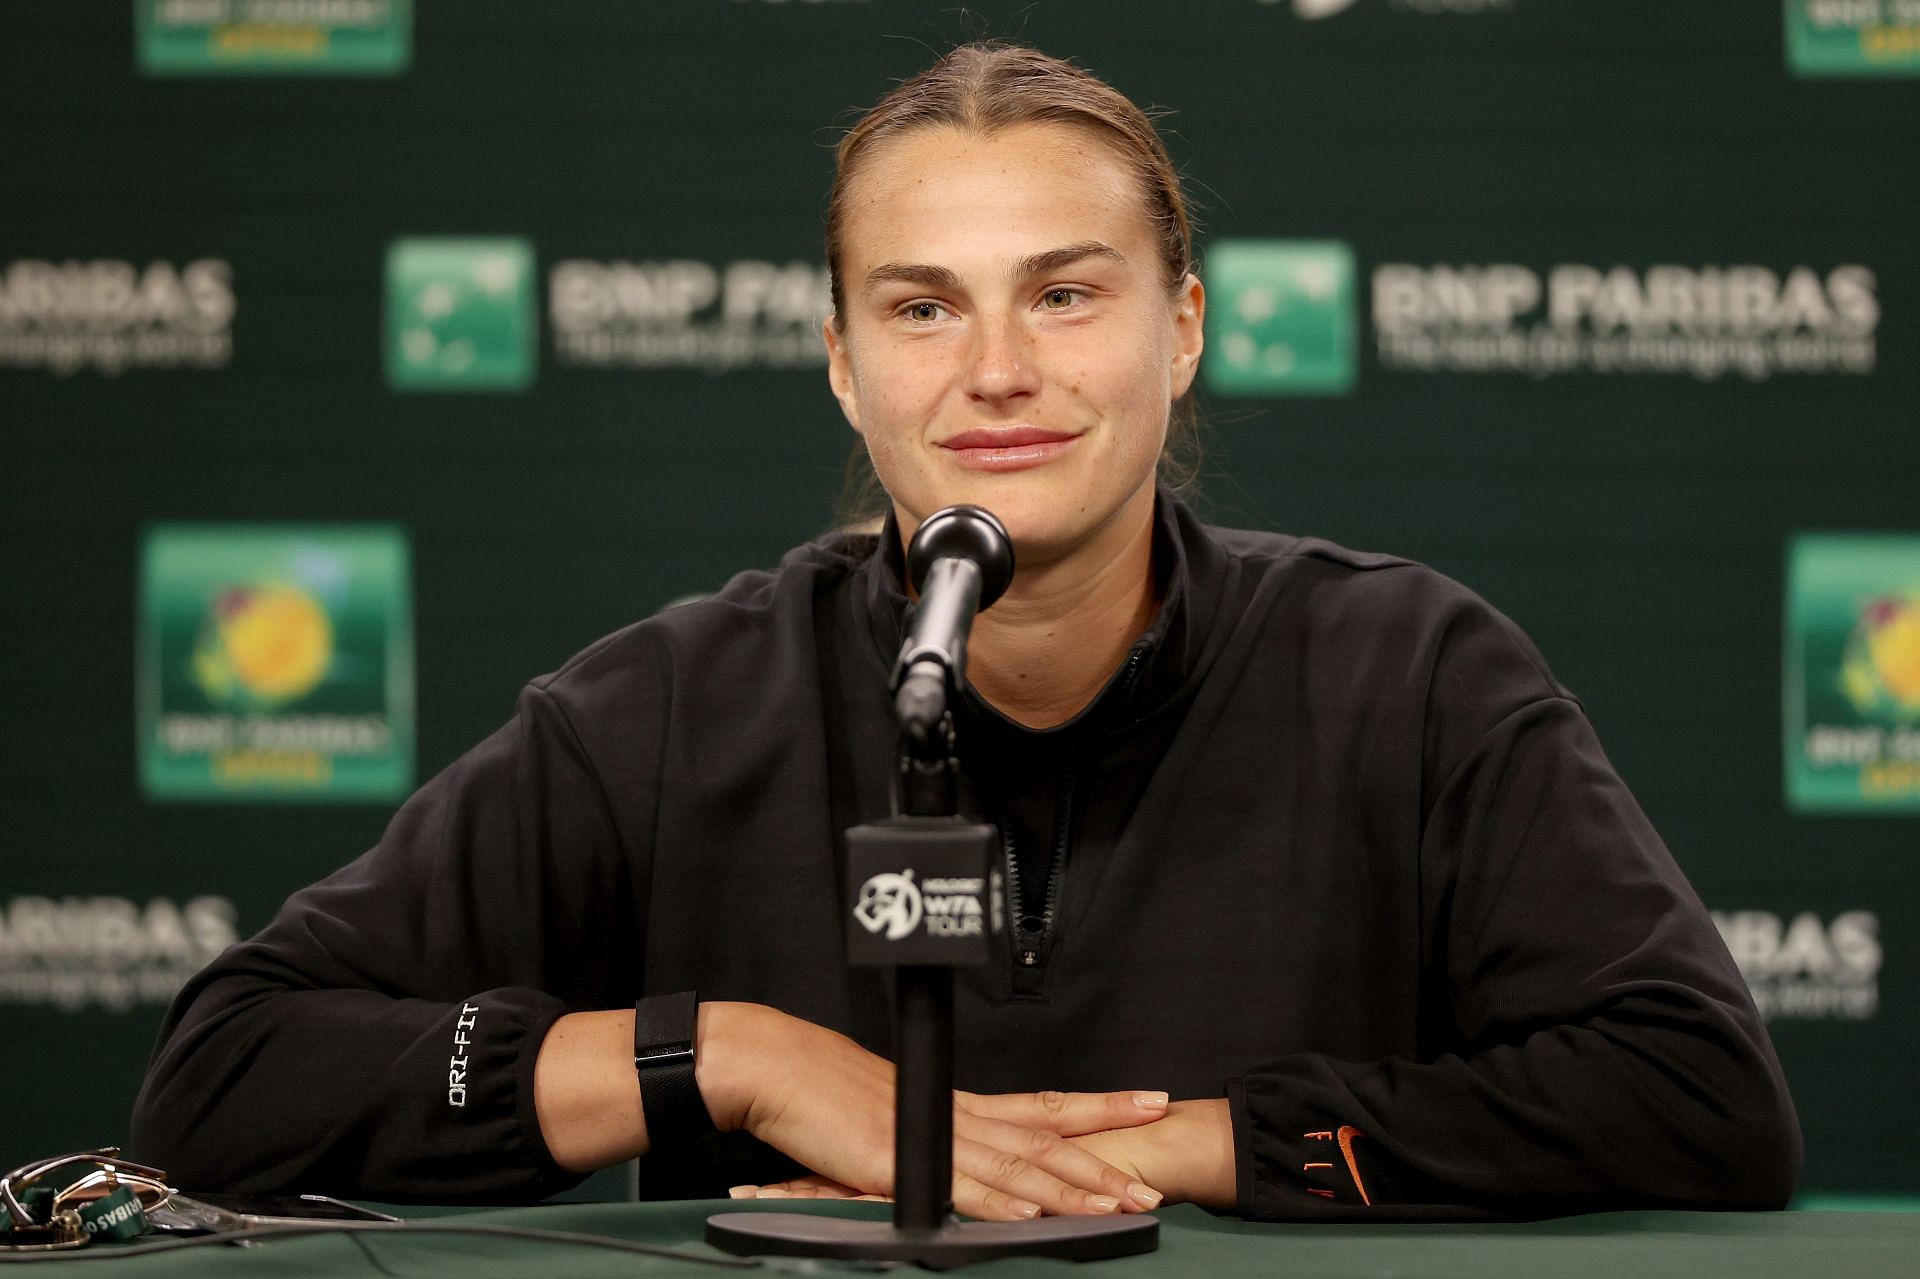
x: 1852, y: 673
x: 1880, y: 672
x: 275, y: 663
x: 263, y: 645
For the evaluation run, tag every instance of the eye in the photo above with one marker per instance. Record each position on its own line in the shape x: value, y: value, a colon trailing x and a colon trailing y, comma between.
x: 923, y: 312
x: 1059, y: 299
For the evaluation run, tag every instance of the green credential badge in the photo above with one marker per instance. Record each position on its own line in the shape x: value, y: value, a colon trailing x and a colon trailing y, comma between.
x: 275, y: 663
x: 460, y: 314
x: 1853, y: 37
x: 273, y: 37
x: 1852, y: 673
x: 1280, y: 318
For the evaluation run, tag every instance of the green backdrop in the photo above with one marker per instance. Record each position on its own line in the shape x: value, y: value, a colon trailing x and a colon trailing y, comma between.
x: 1606, y: 307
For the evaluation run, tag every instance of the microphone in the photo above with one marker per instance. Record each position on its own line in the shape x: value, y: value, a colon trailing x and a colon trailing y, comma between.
x: 960, y: 561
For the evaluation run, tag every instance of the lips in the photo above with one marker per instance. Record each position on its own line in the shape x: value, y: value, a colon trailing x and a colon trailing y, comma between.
x: 1005, y: 437
x: 1007, y: 448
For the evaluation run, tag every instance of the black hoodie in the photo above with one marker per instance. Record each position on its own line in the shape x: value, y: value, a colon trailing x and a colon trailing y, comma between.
x: 1332, y: 844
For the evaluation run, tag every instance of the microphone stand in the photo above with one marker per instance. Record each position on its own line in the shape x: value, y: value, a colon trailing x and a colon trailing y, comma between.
x: 923, y: 1019
x: 927, y: 895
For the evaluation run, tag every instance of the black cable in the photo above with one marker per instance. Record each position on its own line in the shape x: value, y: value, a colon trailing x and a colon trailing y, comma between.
x: 102, y: 1252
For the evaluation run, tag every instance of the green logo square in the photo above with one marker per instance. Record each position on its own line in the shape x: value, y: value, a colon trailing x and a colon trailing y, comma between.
x: 273, y: 37
x: 1851, y: 674
x: 275, y: 663
x: 1853, y: 38
x: 460, y: 315
x: 1280, y: 318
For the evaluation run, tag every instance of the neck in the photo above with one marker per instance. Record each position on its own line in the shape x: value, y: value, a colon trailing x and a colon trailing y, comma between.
x: 1049, y: 645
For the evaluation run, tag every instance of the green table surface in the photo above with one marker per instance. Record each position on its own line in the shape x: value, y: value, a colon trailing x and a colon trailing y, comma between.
x: 1620, y: 1245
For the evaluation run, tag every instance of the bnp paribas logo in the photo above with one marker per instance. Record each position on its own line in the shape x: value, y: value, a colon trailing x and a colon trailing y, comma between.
x: 1853, y: 38
x: 275, y: 663
x: 1280, y: 318
x: 460, y: 314
x: 1852, y: 673
x: 273, y: 37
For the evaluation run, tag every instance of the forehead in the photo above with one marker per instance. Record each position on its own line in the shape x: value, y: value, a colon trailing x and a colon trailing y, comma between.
x: 937, y: 192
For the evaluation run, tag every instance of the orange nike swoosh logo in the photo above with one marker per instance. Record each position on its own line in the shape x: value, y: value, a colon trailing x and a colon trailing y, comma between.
x: 1345, y: 1136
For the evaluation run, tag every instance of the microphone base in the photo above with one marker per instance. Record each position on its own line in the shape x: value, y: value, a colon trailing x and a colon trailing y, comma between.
x: 956, y: 1244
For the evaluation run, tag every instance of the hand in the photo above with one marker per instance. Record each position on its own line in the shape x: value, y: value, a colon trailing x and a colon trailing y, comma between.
x: 1190, y: 1151
x: 822, y: 1099
x: 1189, y: 1154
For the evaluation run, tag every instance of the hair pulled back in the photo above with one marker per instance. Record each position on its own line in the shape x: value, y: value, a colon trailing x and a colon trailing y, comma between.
x: 985, y: 87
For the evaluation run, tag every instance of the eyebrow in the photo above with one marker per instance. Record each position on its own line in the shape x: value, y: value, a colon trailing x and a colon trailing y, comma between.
x: 1042, y: 263
x: 1055, y: 259
x: 933, y: 277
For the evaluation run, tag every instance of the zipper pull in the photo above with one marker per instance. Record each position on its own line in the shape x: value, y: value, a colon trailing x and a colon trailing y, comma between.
x: 1032, y: 930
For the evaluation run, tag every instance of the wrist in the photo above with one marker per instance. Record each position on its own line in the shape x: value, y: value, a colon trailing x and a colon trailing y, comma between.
x: 724, y: 1034
x: 1194, y: 1157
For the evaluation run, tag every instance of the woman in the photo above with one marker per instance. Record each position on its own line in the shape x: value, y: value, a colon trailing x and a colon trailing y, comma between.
x: 1308, y: 841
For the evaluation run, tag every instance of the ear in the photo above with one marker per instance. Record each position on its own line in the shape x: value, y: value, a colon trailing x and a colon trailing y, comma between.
x: 1189, y: 324
x: 840, y: 370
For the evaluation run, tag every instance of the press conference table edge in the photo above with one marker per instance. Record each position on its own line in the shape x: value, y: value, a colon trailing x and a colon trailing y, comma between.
x: 1693, y: 1245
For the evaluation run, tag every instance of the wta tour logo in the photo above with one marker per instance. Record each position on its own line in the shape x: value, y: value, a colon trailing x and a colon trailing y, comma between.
x: 1853, y: 37
x: 1852, y: 673
x: 275, y: 664
x: 460, y: 315
x: 891, y: 903
x: 1281, y: 319
x: 273, y: 37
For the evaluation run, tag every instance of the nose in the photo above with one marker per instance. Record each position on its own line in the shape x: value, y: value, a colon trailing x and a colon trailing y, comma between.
x: 1002, y: 369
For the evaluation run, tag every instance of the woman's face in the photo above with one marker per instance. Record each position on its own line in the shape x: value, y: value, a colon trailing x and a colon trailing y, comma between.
x: 1008, y: 336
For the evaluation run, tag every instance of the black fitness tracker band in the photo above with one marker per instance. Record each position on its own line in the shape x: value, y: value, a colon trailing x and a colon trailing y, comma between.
x: 663, y: 1038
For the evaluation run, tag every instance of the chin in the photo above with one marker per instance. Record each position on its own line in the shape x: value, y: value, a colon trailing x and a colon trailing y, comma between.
x: 1026, y: 508
x: 1044, y: 525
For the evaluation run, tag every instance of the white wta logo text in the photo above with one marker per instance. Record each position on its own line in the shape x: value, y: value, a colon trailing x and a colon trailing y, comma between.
x: 891, y: 902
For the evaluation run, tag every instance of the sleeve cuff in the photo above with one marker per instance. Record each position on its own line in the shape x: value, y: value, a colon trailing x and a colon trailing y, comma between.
x: 1245, y: 1184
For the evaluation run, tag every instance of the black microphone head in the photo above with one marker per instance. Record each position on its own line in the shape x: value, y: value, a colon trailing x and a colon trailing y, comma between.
x: 968, y: 533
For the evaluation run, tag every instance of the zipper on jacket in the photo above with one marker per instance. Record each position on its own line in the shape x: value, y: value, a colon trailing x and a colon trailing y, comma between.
x: 1033, y: 934
x: 1130, y: 673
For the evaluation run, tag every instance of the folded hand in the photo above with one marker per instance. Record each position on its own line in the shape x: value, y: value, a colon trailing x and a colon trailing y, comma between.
x: 827, y: 1102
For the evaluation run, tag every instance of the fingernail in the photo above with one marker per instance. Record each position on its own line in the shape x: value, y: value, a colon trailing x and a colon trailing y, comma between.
x: 743, y: 1192
x: 772, y: 1192
x: 1103, y: 1203
x: 1022, y: 1208
x: 1145, y: 1196
x: 1150, y: 1100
